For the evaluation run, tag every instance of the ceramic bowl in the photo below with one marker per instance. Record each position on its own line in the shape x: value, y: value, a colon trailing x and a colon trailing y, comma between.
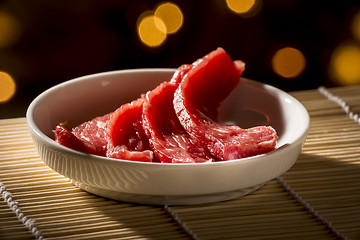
x: 81, y: 99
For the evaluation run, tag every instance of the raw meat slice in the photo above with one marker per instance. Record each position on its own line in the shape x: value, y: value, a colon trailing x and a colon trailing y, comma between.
x: 93, y: 133
x: 68, y: 139
x: 117, y: 135
x: 126, y: 137
x: 196, y: 103
x: 88, y: 137
x: 168, y: 139
x: 180, y: 73
x: 212, y: 78
x: 122, y: 152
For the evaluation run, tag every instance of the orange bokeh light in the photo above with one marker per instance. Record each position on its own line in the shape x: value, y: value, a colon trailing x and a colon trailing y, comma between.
x: 7, y: 87
x: 171, y: 15
x: 151, y: 30
x: 288, y: 62
x: 154, y: 26
x: 344, y: 65
x: 245, y: 8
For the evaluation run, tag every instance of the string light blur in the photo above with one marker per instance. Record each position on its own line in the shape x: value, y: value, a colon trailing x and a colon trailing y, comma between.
x: 345, y: 64
x: 154, y: 26
x: 7, y: 87
x: 288, y: 62
x: 245, y: 8
x: 9, y: 29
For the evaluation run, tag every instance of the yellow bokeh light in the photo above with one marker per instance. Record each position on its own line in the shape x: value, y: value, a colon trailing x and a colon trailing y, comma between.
x: 240, y: 6
x: 345, y: 64
x: 288, y: 62
x: 151, y: 30
x: 9, y: 29
x: 7, y: 87
x: 153, y: 27
x: 246, y: 8
x: 355, y: 27
x: 171, y: 15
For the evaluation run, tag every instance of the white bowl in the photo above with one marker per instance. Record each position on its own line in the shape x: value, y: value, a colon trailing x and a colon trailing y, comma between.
x: 84, y: 98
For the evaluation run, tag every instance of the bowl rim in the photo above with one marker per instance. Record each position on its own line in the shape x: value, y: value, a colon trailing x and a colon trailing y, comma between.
x: 50, y: 141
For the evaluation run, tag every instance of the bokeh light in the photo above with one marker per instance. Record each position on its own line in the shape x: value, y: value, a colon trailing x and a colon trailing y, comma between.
x: 171, y: 15
x: 7, y: 87
x: 288, y: 62
x: 355, y: 27
x: 154, y: 26
x: 9, y: 29
x: 245, y: 8
x: 344, y: 65
x: 151, y: 30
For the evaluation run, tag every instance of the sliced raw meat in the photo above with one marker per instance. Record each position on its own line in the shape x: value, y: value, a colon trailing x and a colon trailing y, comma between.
x: 180, y: 73
x: 126, y: 136
x: 117, y: 135
x: 68, y: 139
x: 176, y: 128
x: 122, y: 152
x: 88, y: 137
x: 94, y: 133
x: 196, y: 103
x: 211, y: 79
x: 168, y: 139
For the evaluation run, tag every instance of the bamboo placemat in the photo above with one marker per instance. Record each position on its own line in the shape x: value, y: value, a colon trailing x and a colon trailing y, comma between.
x: 318, y: 198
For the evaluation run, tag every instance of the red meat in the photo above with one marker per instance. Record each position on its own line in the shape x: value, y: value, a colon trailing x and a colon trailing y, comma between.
x: 117, y: 135
x: 176, y: 121
x: 122, y: 152
x: 94, y: 133
x: 180, y: 73
x: 68, y: 139
x: 210, y: 80
x: 196, y: 103
x: 88, y: 137
x: 168, y: 139
x: 126, y: 136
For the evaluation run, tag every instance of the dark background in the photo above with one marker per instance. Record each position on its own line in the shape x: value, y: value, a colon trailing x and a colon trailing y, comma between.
x: 61, y: 40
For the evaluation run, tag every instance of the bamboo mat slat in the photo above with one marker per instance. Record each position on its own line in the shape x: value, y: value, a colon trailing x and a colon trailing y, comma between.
x: 318, y: 198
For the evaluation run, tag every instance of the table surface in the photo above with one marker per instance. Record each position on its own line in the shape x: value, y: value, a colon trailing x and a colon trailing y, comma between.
x: 318, y: 198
